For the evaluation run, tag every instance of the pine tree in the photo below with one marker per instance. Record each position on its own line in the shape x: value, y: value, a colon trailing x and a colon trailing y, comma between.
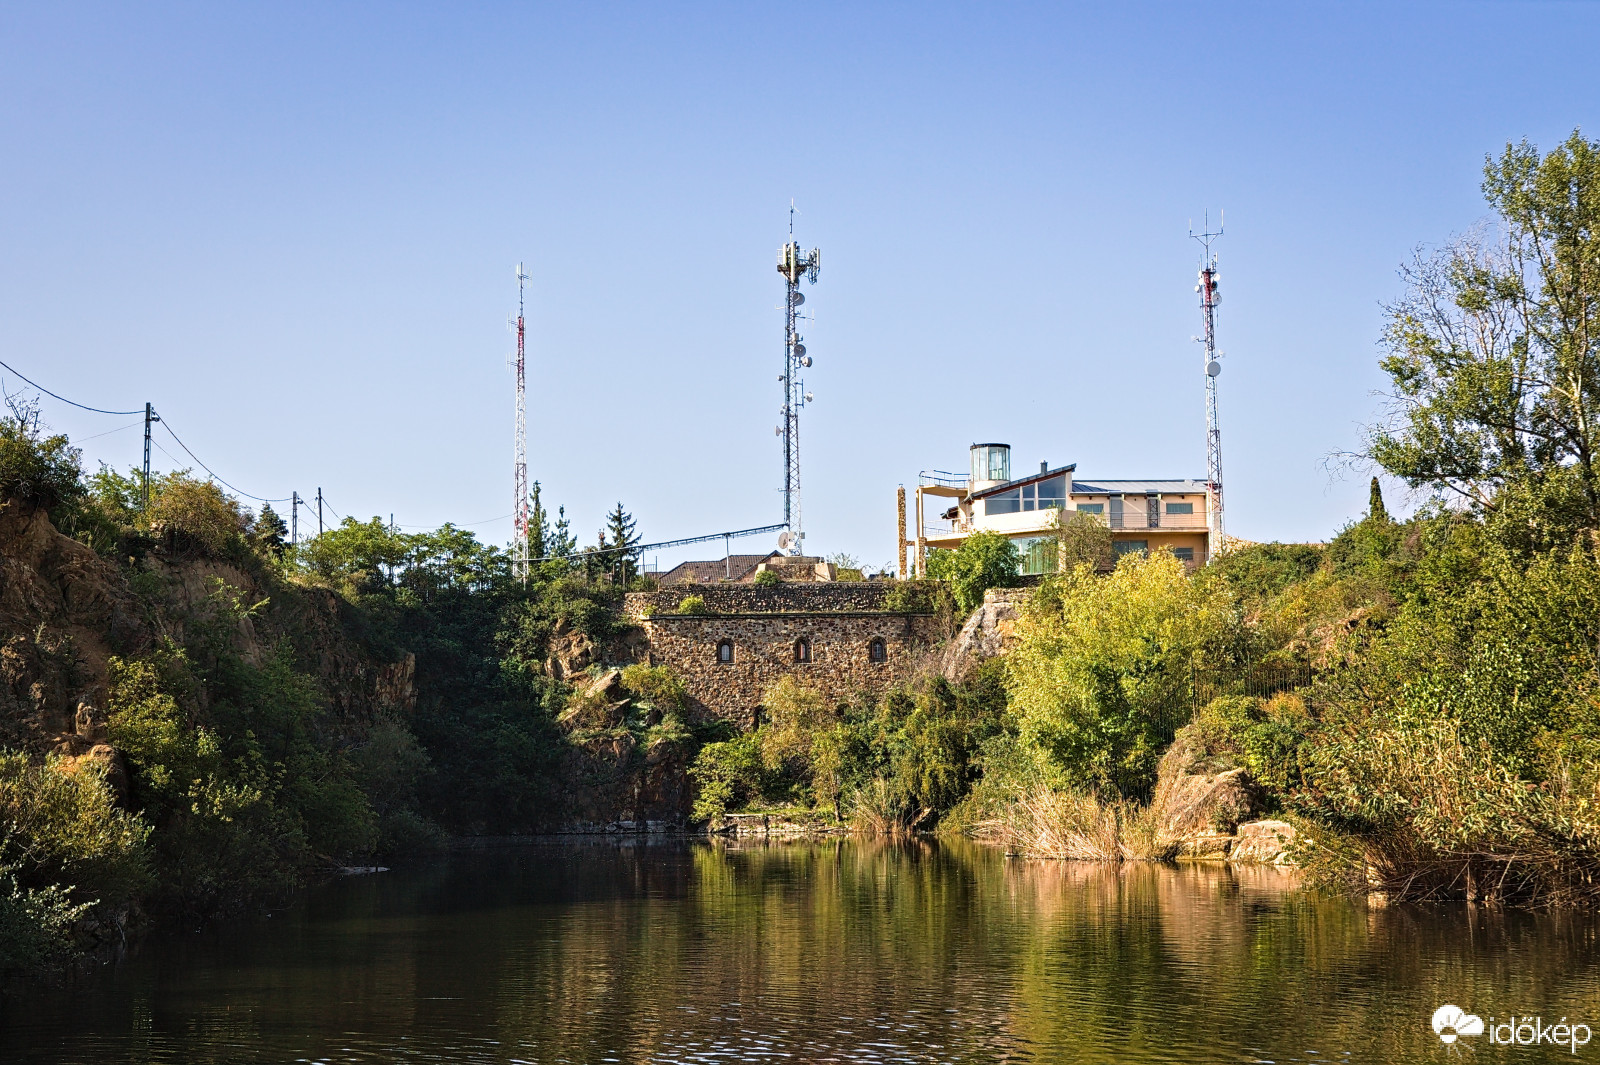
x: 620, y: 524
x: 1375, y: 507
x: 563, y: 543
x: 539, y: 539
x: 269, y: 532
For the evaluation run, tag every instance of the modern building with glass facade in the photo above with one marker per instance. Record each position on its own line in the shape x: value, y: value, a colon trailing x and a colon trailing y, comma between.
x: 1143, y: 515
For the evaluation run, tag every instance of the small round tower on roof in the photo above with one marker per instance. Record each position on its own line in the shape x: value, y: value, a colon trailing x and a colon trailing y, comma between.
x: 991, y: 465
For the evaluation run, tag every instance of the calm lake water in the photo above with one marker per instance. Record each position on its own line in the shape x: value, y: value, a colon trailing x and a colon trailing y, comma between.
x: 843, y: 952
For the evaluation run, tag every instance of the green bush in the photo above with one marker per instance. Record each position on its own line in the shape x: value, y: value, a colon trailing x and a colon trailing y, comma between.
x: 726, y: 775
x: 692, y: 604
x: 984, y: 560
x: 38, y: 469
x: 767, y: 578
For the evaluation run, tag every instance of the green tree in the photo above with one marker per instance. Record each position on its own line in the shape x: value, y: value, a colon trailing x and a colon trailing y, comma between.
x: 984, y: 560
x: 1101, y: 672
x: 269, y: 533
x: 623, y: 538
x: 1494, y: 352
x: 1375, y: 508
x: 539, y: 537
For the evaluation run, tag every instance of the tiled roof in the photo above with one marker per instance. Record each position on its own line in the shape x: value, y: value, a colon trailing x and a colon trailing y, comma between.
x: 712, y: 571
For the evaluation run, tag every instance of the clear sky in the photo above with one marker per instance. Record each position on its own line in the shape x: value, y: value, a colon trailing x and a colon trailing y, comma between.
x: 292, y: 228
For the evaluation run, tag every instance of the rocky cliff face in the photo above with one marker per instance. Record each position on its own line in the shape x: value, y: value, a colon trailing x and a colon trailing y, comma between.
x: 65, y: 611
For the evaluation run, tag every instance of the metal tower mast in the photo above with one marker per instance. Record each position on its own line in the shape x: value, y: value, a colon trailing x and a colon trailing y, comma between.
x: 519, y: 508
x: 794, y: 264
x: 1209, y: 298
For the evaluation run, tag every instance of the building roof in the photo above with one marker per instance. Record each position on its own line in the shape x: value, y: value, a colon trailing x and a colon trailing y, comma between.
x: 742, y: 567
x: 1020, y: 481
x: 1136, y: 488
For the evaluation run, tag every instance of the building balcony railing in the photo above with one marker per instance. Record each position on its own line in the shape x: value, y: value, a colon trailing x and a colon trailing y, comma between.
x: 943, y: 478
x: 1131, y: 520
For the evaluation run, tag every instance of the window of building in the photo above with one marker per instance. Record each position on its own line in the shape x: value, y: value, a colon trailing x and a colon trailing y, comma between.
x: 1091, y: 508
x: 1180, y: 508
x: 876, y: 651
x: 1041, y: 495
x: 802, y: 650
x: 1039, y: 554
x: 1129, y: 547
x: 1183, y: 554
x: 725, y: 651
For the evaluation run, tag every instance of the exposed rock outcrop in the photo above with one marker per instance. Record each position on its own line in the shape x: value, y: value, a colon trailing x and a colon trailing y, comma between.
x: 986, y: 633
x: 1266, y: 842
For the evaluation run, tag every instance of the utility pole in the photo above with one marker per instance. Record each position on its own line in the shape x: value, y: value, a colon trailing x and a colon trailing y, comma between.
x: 1209, y: 298
x: 794, y: 264
x: 294, y: 517
x: 149, y: 417
x: 319, y: 511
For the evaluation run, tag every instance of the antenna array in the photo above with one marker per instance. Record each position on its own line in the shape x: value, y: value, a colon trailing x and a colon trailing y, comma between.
x: 1209, y: 298
x: 794, y: 264
x: 519, y: 542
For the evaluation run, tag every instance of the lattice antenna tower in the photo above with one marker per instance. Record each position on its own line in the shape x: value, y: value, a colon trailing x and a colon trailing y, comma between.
x: 794, y: 264
x: 519, y: 542
x: 1210, y: 296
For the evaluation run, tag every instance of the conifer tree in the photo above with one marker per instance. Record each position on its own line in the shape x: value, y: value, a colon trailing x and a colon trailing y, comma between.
x: 539, y: 538
x: 269, y: 532
x: 620, y: 524
x: 1375, y: 507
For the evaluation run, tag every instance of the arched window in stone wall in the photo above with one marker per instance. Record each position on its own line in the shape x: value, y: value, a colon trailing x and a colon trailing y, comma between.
x: 725, y: 651
x: 876, y: 651
x: 802, y: 650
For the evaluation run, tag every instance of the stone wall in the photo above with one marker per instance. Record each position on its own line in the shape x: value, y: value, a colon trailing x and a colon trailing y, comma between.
x: 765, y: 625
x: 808, y: 597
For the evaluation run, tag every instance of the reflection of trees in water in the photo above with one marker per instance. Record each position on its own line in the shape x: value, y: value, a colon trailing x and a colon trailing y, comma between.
x: 822, y: 949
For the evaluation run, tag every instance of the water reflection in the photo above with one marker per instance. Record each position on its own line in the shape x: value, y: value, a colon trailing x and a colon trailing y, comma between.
x: 844, y: 951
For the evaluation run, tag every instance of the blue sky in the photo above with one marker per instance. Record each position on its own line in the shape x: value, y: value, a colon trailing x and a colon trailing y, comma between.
x: 292, y: 229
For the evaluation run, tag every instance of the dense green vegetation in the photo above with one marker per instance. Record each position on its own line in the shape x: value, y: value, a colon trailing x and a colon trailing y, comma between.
x: 1422, y: 695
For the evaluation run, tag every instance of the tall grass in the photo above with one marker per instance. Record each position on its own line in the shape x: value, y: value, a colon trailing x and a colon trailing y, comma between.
x: 1042, y: 822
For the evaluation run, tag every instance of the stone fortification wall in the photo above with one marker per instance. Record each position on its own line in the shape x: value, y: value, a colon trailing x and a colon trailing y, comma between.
x: 810, y: 597
x: 836, y: 638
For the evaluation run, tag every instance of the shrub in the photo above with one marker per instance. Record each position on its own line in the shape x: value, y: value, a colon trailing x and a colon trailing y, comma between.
x: 767, y: 578
x: 1100, y: 676
x: 692, y: 604
x: 38, y: 469
x: 59, y: 823
x: 198, y: 509
x: 984, y: 560
x: 795, y: 714
x: 658, y: 685
x: 726, y: 775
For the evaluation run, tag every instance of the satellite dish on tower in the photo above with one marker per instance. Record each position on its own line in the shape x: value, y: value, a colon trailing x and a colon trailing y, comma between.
x: 785, y: 541
x: 799, y: 298
x: 1213, y: 368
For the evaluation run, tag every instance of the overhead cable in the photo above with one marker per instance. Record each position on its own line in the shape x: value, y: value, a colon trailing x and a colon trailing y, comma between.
x: 213, y: 473
x: 69, y: 402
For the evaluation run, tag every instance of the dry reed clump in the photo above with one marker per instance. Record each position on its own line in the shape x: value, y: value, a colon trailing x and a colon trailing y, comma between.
x: 1044, y: 823
x: 879, y: 809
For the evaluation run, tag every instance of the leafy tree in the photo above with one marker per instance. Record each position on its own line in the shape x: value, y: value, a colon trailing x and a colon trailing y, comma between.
x: 1494, y: 353
x: 1083, y: 540
x: 1102, y: 669
x: 984, y: 560
x: 36, y: 468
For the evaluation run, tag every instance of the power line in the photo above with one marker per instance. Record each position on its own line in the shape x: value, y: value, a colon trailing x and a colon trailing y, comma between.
x: 108, y: 432
x: 69, y: 402
x: 596, y: 552
x: 213, y: 473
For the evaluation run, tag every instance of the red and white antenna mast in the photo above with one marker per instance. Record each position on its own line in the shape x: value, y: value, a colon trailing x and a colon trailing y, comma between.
x: 519, y: 543
x: 1209, y: 298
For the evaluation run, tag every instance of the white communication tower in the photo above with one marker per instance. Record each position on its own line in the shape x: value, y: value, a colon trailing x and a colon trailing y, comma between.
x: 519, y: 543
x: 794, y: 264
x: 1210, y: 296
